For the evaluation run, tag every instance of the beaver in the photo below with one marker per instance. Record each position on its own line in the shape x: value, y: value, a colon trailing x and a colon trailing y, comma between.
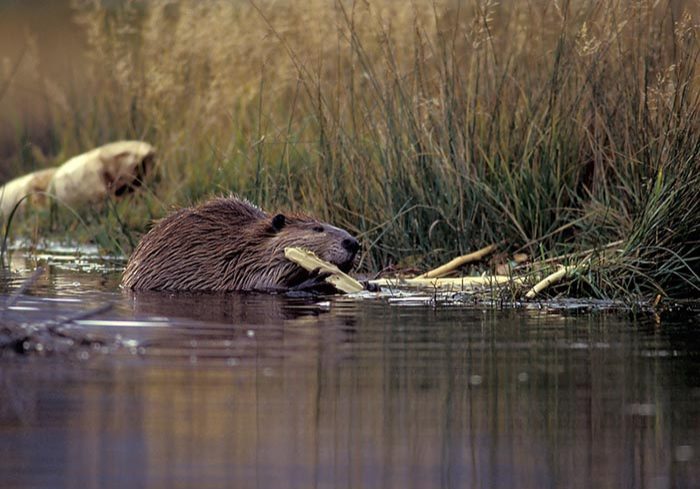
x: 229, y: 244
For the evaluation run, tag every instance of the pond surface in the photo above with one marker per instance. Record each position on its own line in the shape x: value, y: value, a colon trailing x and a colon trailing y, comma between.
x: 100, y: 388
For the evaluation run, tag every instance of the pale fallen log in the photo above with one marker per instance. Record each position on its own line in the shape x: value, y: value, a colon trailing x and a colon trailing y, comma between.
x: 337, y: 278
x: 109, y: 170
x: 30, y: 185
x: 458, y: 283
x: 553, y: 278
x: 458, y: 262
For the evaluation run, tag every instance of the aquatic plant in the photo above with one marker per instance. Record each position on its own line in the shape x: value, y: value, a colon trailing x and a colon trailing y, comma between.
x: 430, y: 130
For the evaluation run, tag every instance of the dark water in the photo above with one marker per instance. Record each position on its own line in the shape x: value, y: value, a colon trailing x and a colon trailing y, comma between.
x: 253, y: 391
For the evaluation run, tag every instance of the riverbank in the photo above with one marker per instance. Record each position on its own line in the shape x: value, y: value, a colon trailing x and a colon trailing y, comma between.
x: 428, y: 131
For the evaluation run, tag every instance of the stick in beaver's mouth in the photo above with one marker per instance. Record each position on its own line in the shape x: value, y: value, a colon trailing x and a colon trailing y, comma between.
x: 309, y: 261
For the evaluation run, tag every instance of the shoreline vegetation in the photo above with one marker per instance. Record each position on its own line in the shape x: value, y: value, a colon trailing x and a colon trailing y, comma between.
x: 564, y: 132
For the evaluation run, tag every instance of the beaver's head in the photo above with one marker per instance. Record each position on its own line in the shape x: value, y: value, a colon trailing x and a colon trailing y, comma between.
x: 329, y: 243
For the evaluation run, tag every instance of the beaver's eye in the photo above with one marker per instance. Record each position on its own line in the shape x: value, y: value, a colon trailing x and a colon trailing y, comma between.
x: 318, y: 229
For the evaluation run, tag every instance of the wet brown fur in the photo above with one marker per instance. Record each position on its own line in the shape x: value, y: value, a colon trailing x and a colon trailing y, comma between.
x: 229, y: 244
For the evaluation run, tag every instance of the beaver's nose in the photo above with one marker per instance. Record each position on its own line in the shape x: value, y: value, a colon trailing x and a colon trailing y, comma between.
x: 351, y: 244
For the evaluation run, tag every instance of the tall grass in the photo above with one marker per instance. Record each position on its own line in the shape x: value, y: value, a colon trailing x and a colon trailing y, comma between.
x: 429, y: 128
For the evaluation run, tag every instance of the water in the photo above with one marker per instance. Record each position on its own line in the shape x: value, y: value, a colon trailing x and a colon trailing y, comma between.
x: 261, y: 391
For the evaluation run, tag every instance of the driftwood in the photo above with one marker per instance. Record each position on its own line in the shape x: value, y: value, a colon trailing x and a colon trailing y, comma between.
x: 458, y: 283
x: 484, y: 281
x: 458, y: 262
x: 553, y: 278
x: 337, y: 278
x: 432, y: 280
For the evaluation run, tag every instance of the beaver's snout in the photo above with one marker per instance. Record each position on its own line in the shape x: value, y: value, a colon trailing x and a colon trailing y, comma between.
x: 350, y: 247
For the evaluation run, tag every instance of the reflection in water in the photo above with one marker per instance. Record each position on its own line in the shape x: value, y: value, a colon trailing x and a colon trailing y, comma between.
x: 267, y: 391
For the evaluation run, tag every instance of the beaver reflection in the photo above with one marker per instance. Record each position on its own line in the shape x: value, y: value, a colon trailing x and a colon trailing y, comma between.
x: 243, y: 327
x: 235, y: 308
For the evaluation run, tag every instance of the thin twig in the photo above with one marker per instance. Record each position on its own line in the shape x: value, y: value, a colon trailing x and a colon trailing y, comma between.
x: 569, y: 256
x: 96, y: 311
x: 26, y: 285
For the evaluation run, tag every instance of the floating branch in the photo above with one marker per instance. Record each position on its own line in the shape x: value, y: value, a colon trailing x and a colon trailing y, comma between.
x: 309, y: 261
x: 458, y: 262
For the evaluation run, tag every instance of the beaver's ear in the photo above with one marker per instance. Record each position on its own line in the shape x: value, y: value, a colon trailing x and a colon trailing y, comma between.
x: 278, y: 222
